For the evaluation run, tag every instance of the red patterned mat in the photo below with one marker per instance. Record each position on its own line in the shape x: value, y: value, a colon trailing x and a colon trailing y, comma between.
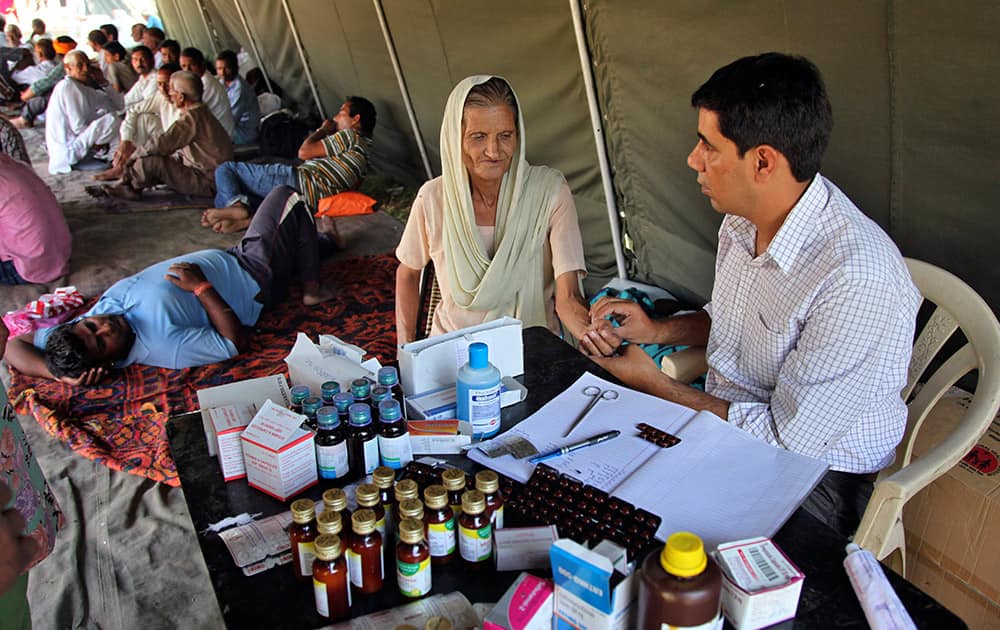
x: 122, y: 424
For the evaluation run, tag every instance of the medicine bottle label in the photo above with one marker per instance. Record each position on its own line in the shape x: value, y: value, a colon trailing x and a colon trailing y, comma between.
x: 484, y: 409
x: 332, y: 460
x: 396, y: 451
x: 371, y: 455
x: 715, y: 624
x: 322, y: 596
x: 414, y: 578
x: 307, y: 553
x: 322, y: 601
x: 497, y: 518
x: 354, y: 568
x: 380, y: 527
x: 475, y: 545
x: 441, y: 538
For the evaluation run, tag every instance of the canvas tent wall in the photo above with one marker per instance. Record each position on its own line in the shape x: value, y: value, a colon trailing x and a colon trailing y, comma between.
x: 914, y: 119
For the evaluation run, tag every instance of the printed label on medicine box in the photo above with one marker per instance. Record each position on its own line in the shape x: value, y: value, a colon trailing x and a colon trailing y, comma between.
x: 588, y: 593
x: 280, y: 456
x: 760, y: 585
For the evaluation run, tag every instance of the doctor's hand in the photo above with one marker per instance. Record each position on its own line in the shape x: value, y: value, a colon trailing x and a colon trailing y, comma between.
x: 636, y: 369
x: 633, y: 323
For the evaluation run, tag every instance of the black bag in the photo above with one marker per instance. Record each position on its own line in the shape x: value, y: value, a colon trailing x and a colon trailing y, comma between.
x: 282, y: 133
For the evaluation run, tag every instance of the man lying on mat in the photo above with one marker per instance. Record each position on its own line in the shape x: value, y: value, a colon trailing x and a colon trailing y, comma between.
x: 186, y: 311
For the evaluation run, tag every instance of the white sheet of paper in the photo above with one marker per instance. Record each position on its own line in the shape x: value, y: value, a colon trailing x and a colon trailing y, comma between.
x: 719, y: 481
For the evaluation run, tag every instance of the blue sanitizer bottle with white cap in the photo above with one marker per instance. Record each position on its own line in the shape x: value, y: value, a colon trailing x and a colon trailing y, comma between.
x: 478, y: 393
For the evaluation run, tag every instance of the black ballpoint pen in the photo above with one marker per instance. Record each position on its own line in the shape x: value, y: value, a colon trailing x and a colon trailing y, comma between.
x: 597, y: 439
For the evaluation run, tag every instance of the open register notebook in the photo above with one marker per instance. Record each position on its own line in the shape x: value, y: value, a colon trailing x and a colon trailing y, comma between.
x: 718, y: 482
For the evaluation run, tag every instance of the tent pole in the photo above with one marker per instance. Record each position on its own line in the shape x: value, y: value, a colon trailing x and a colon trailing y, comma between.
x: 403, y: 89
x: 602, y: 149
x: 302, y: 56
x: 208, y: 28
x: 253, y: 44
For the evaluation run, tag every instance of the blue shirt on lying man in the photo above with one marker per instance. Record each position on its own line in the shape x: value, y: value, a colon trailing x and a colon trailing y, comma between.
x: 186, y: 311
x: 171, y: 327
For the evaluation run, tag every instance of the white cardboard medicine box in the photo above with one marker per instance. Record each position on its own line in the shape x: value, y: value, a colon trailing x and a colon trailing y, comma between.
x: 228, y: 422
x: 590, y: 594
x: 760, y: 585
x: 254, y: 391
x: 280, y: 456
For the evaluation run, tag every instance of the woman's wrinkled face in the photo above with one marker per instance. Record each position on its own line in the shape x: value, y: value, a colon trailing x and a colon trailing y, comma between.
x: 489, y: 141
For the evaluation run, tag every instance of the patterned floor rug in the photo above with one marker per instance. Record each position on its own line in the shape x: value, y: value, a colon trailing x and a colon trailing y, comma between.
x: 121, y: 423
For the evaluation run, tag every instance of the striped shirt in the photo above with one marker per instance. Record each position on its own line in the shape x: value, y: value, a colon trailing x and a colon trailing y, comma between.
x: 342, y: 169
x: 810, y: 341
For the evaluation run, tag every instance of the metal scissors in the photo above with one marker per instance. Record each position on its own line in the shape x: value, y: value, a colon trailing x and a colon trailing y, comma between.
x: 598, y: 395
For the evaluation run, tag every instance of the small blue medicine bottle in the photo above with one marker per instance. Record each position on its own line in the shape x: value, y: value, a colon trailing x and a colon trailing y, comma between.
x: 478, y: 393
x: 394, y: 446
x: 331, y: 446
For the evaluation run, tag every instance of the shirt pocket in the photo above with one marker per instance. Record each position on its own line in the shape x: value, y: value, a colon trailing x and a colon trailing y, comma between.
x: 767, y: 342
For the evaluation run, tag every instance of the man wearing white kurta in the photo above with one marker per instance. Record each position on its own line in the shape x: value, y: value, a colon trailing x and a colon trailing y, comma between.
x: 214, y: 93
x: 75, y: 121
x: 145, y: 87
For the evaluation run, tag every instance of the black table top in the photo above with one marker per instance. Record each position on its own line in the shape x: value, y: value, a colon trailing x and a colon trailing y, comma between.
x: 273, y: 599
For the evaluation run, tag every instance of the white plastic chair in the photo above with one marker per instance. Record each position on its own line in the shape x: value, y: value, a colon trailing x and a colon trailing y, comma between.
x: 958, y: 307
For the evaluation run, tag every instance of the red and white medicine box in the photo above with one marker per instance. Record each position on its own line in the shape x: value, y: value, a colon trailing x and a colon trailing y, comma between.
x: 760, y: 585
x: 228, y: 423
x: 280, y: 456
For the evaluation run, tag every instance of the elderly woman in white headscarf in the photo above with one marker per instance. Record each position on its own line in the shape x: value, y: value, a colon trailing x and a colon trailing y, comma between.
x: 502, y: 234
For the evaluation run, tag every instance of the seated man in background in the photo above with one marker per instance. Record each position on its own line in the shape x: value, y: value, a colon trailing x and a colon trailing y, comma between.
x: 36, y: 96
x: 196, y: 136
x: 138, y: 30
x: 214, y: 94
x: 152, y: 38
x: 145, y: 83
x: 170, y: 52
x: 811, y: 322
x: 187, y: 311
x: 45, y: 61
x: 35, y: 241
x: 118, y: 68
x: 144, y: 122
x: 242, y: 100
x: 38, y: 31
x: 97, y: 40
x: 75, y: 121
x: 110, y: 31
x: 336, y: 157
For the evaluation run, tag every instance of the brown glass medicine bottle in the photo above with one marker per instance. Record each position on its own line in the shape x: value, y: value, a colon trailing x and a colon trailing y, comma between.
x: 454, y: 482
x: 439, y: 524
x: 411, y: 508
x: 335, y: 499
x: 331, y: 588
x: 413, y: 559
x: 680, y: 586
x: 329, y: 522
x: 368, y: 496
x: 384, y: 477
x: 364, y: 553
x: 406, y: 489
x: 475, y: 534
x: 488, y: 482
x: 301, y: 534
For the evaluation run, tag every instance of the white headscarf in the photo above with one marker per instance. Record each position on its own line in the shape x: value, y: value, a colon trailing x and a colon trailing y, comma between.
x: 512, y: 283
